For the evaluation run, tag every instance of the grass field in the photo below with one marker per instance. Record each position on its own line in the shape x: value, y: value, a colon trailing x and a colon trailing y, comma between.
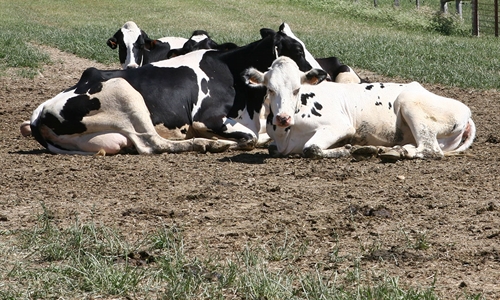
x: 398, y: 42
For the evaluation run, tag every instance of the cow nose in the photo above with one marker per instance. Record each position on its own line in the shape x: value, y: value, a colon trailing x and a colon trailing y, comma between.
x: 283, y: 120
x: 133, y: 66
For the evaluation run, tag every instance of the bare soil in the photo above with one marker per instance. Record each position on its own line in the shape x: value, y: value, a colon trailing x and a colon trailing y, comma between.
x: 426, y: 222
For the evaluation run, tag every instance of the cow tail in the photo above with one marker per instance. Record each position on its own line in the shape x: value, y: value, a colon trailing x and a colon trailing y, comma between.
x: 469, y: 135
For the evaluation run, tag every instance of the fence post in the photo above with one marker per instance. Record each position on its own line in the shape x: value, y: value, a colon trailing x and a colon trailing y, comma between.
x: 475, y: 19
x: 496, y: 18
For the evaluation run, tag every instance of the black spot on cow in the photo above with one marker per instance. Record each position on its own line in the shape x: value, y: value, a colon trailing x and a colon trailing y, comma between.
x: 304, y: 97
x: 73, y: 112
x: 369, y: 87
x: 315, y: 112
x: 303, y: 116
x: 454, y: 127
x: 378, y: 103
x: 382, y: 85
x: 79, y: 106
x: 204, y: 86
x: 287, y: 129
x: 64, y: 127
x: 390, y: 105
x: 398, y: 136
x: 318, y: 106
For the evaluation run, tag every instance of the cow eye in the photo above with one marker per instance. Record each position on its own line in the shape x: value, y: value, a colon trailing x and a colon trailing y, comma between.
x: 296, y: 92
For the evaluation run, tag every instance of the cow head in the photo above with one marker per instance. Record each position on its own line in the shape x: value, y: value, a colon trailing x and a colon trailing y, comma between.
x: 200, y: 40
x: 285, y: 45
x: 283, y: 82
x: 132, y: 43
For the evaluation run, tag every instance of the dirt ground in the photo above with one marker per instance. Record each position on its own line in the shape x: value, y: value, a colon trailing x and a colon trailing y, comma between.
x: 382, y: 215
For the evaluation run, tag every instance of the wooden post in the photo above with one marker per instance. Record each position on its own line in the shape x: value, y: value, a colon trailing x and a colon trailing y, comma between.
x: 475, y: 18
x: 496, y: 18
x: 417, y: 3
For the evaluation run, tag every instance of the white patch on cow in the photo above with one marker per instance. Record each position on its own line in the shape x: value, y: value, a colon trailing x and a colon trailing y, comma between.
x: 198, y: 38
x: 347, y: 77
x: 130, y: 32
x: 174, y: 42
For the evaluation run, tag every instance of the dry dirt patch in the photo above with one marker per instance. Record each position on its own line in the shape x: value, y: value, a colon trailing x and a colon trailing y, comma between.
x: 423, y: 221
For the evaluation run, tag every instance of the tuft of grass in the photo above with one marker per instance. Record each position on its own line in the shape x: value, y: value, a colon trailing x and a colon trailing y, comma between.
x: 91, y: 261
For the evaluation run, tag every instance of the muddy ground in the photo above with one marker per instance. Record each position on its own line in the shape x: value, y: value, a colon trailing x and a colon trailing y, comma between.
x: 383, y: 215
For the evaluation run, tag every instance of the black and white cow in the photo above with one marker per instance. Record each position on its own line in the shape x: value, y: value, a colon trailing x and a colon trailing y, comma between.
x: 317, y: 120
x: 135, y: 48
x: 200, y: 40
x: 200, y: 94
x: 336, y: 70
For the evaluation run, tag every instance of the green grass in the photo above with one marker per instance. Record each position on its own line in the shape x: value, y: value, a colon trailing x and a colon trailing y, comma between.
x: 87, y: 260
x: 399, y: 42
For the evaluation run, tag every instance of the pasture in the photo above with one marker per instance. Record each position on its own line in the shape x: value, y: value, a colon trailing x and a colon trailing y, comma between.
x: 242, y: 225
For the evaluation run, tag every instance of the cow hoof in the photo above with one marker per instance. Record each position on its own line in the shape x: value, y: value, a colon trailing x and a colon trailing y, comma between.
x: 217, y: 146
x: 364, y: 152
x: 273, y: 151
x: 390, y: 156
x: 313, y: 152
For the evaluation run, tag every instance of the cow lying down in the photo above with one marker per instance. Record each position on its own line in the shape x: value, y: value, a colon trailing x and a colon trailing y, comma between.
x: 321, y: 119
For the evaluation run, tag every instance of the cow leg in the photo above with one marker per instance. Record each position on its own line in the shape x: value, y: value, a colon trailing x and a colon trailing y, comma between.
x: 317, y: 146
x: 245, y: 138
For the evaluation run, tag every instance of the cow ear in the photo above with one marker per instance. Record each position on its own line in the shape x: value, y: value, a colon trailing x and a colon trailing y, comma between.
x: 264, y: 32
x: 149, y: 44
x: 315, y: 76
x: 112, y: 43
x: 253, y: 77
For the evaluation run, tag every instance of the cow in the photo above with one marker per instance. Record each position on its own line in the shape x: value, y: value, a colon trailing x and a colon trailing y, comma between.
x: 321, y: 119
x: 135, y: 48
x: 197, y: 95
x: 200, y: 40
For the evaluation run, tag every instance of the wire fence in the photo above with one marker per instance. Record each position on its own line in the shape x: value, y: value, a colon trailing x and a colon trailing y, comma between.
x: 485, y: 17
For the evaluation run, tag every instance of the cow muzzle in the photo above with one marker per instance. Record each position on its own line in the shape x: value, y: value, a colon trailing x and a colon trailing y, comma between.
x: 283, y: 120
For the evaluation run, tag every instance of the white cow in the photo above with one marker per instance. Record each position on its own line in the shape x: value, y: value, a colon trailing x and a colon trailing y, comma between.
x: 319, y: 120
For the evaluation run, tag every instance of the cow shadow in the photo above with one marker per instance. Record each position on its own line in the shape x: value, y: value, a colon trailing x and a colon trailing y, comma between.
x: 247, y: 158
